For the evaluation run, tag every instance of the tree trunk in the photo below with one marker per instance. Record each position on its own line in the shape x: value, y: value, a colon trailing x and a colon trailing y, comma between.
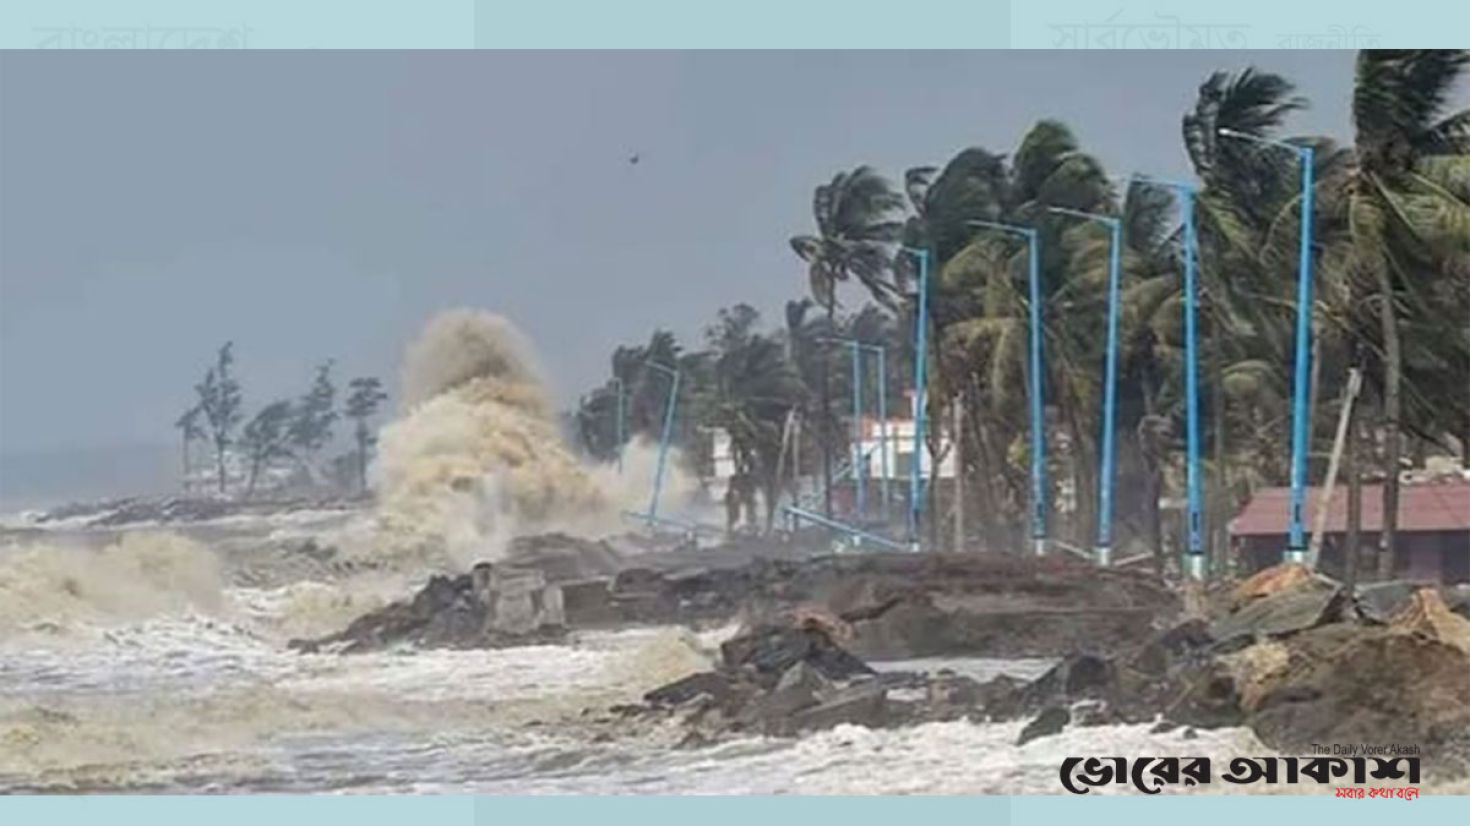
x: 1224, y: 499
x: 219, y: 463
x: 1350, y: 539
x: 826, y: 434
x: 184, y: 482
x: 959, y: 474
x: 254, y: 474
x: 1393, y: 447
x: 362, y: 459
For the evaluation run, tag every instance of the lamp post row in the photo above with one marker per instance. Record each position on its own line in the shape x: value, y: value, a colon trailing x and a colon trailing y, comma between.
x: 1295, y: 550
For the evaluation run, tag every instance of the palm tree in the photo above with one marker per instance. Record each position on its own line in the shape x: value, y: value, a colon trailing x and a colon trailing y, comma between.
x: 1407, y: 207
x: 980, y: 311
x: 856, y: 231
x: 754, y: 388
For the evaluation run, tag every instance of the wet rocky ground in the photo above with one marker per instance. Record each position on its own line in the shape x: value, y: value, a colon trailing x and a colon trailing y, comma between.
x: 1293, y: 655
x: 895, y: 605
x: 1290, y: 655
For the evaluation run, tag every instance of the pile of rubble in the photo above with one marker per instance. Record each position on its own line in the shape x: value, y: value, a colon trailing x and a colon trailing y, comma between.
x: 896, y: 606
x: 1289, y: 654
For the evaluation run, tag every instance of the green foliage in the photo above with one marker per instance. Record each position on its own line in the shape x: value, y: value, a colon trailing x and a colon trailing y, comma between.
x: 364, y: 395
x: 314, y: 413
x: 220, y: 402
x: 266, y: 437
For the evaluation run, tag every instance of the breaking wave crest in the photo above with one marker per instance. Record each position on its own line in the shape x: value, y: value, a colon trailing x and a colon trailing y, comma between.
x: 477, y: 455
x: 48, y: 587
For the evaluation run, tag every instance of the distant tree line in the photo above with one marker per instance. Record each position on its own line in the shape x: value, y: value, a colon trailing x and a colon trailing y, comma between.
x: 290, y: 432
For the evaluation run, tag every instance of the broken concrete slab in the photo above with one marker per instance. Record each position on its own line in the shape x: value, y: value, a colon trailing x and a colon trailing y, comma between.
x: 1278, y: 613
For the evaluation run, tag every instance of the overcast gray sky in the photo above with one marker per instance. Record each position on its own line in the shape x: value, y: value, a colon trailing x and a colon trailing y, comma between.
x: 311, y: 205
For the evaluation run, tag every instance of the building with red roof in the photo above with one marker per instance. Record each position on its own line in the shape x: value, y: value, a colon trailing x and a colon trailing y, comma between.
x: 1434, y: 528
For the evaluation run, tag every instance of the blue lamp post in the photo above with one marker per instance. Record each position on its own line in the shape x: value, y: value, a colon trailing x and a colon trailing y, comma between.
x: 859, y: 464
x: 921, y: 325
x: 1296, y: 543
x: 1110, y: 382
x: 882, y: 353
x: 1194, y: 553
x: 1036, y: 380
x: 663, y: 442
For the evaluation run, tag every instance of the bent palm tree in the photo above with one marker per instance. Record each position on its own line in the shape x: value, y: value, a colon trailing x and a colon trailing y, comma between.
x: 1408, y: 213
x: 856, y: 230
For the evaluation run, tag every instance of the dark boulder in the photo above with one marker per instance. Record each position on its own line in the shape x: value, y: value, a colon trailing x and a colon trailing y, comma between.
x: 1052, y: 720
x: 1281, y: 613
x: 771, y: 650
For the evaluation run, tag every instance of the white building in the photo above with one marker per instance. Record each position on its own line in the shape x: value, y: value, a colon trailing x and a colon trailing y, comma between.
x: 899, y: 449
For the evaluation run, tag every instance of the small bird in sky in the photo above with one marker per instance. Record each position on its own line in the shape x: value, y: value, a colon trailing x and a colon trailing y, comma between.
x: 633, y: 159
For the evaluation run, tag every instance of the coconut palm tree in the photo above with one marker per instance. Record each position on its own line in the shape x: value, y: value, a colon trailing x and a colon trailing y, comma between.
x: 754, y: 387
x: 1407, y: 207
x: 979, y: 316
x: 856, y: 222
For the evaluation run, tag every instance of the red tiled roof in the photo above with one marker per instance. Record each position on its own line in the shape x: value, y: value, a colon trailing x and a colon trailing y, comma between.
x: 1429, y: 506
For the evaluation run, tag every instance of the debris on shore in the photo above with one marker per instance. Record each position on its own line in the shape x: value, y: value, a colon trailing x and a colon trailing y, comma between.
x: 1296, y: 660
x: 898, y: 606
x: 1292, y: 655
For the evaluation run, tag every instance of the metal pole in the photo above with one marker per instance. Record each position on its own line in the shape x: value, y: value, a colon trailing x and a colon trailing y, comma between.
x: 1296, y: 543
x: 1038, y: 380
x: 1110, y: 396
x: 1296, y: 547
x: 883, y: 425
x: 858, y: 467
x: 1104, y: 549
x: 663, y: 446
x: 1035, y: 381
x: 1195, y: 551
x: 921, y: 323
x: 799, y: 513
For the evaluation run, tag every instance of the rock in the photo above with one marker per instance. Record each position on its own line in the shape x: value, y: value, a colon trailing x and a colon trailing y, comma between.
x: 1256, y: 670
x: 1091, y: 713
x: 771, y: 650
x: 1189, y: 734
x: 1078, y: 677
x: 1279, y: 613
x: 805, y: 677
x: 862, y: 704
x: 1367, y: 684
x: 1163, y: 727
x: 708, y: 683
x: 1457, y: 598
x: 1203, y: 696
x: 588, y: 603
x: 880, y: 605
x: 488, y: 607
x: 1050, y: 721
x: 770, y: 712
x: 1268, y: 582
x: 1185, y: 641
x: 1379, y: 601
x: 1427, y: 615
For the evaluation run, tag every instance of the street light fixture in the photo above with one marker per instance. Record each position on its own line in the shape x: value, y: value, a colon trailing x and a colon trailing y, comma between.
x: 1037, y: 380
x: 1194, y: 557
x: 858, y: 347
x: 1110, y: 380
x: 921, y: 325
x: 668, y: 432
x: 1296, y: 543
